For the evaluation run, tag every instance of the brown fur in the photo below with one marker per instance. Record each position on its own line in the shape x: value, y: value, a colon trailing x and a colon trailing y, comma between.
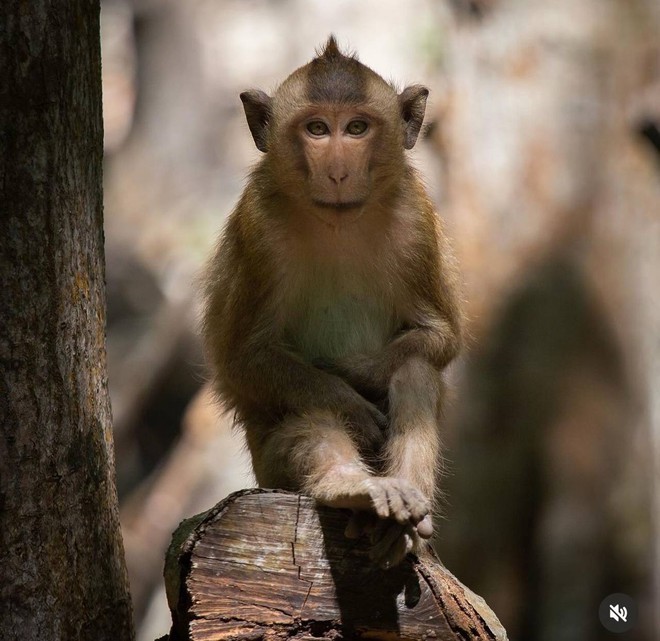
x: 328, y: 323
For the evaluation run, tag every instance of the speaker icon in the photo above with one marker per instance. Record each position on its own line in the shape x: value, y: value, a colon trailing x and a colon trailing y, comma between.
x: 618, y: 613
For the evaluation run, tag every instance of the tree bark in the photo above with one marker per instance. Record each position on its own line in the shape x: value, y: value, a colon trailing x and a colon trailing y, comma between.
x: 265, y: 564
x: 62, y: 569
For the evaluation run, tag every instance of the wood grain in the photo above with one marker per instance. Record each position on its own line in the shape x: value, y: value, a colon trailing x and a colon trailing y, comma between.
x: 266, y: 564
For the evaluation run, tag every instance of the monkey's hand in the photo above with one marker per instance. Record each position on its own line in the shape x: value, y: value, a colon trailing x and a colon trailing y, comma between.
x: 357, y: 371
x: 368, y: 424
x: 397, y: 522
x: 391, y: 541
x: 330, y: 366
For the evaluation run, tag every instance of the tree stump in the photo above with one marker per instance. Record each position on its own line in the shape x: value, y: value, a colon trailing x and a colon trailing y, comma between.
x: 265, y: 564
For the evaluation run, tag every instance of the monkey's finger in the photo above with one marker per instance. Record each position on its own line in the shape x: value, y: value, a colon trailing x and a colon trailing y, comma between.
x: 386, y: 530
x: 383, y: 537
x: 425, y: 527
x: 367, y: 422
x: 393, y: 542
x: 379, y: 418
x: 373, y: 435
x: 397, y: 552
x: 398, y: 510
x: 325, y: 364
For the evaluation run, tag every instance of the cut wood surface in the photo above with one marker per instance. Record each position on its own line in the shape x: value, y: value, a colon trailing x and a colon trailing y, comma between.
x: 266, y: 564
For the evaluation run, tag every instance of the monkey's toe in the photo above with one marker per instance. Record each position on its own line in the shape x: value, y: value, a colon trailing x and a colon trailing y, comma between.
x: 398, y: 510
x: 416, y: 503
x: 374, y: 494
x: 392, y: 498
x: 406, y: 503
x: 425, y: 527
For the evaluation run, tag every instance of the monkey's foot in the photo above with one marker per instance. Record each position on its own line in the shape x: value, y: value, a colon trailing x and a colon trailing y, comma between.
x: 365, y: 523
x: 391, y: 541
x: 393, y: 498
x: 383, y: 496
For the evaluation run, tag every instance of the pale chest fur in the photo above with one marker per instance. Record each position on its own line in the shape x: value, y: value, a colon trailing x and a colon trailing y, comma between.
x: 336, y: 300
x: 336, y: 315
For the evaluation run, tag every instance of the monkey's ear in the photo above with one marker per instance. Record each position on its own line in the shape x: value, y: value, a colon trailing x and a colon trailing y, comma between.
x: 412, y: 102
x: 257, y: 107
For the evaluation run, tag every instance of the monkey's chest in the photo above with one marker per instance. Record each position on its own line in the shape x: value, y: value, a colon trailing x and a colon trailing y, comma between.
x: 331, y: 322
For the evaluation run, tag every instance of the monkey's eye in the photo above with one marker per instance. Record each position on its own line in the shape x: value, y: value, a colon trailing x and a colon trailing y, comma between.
x: 317, y: 128
x: 356, y: 127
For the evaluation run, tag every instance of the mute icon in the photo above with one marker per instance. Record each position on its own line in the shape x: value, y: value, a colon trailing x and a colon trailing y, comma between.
x: 618, y: 613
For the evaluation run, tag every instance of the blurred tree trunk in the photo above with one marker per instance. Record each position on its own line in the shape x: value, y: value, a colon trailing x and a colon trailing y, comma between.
x: 555, y: 200
x: 63, y: 575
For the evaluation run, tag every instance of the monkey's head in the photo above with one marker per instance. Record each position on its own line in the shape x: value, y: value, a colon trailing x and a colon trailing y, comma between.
x: 335, y: 133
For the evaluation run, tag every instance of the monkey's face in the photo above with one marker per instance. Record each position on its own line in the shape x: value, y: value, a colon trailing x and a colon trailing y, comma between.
x: 335, y: 134
x: 337, y: 147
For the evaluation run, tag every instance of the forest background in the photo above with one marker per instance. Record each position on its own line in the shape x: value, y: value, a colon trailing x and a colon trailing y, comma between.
x: 540, y: 155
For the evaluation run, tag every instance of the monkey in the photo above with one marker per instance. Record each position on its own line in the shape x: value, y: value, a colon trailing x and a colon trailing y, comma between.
x: 331, y: 305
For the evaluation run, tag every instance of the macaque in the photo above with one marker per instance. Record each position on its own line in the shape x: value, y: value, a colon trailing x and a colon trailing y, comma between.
x: 330, y: 302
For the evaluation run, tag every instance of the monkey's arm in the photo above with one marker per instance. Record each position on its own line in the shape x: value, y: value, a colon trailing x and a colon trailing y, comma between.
x: 432, y: 327
x: 275, y: 377
x: 254, y: 368
x: 434, y: 337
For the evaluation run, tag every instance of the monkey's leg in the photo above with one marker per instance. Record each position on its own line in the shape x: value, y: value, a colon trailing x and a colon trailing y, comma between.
x: 412, y: 452
x: 315, y: 453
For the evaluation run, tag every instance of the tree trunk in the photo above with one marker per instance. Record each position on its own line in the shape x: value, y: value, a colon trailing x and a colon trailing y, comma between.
x: 63, y: 574
x: 266, y: 564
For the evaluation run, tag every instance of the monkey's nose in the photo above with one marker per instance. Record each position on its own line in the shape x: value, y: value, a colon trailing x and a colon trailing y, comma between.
x: 338, y: 176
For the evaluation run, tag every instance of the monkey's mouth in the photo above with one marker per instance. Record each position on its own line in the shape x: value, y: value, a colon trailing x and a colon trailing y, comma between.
x: 339, y: 206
